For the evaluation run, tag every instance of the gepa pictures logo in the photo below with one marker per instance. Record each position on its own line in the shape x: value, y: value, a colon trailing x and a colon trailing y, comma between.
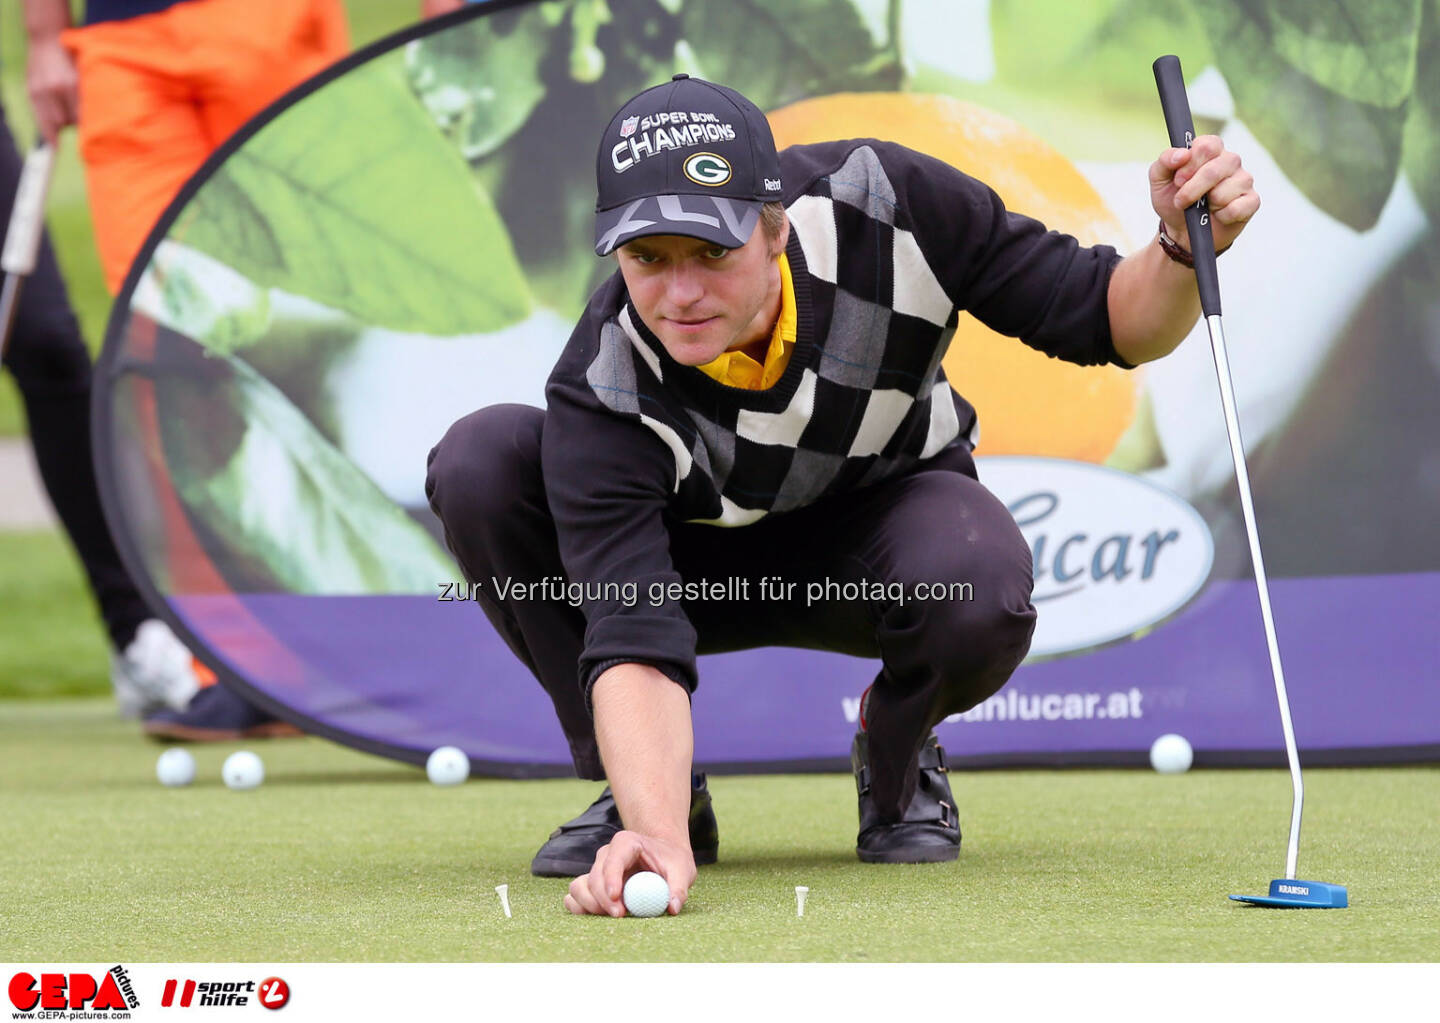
x: 52, y: 991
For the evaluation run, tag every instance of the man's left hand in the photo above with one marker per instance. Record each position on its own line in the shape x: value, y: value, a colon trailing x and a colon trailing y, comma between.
x: 1181, y: 176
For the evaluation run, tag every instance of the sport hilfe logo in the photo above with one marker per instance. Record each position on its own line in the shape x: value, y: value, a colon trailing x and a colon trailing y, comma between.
x: 112, y: 990
x: 272, y: 993
x: 212, y: 992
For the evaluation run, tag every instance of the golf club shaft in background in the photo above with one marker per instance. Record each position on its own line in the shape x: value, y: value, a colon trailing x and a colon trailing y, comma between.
x: 1176, y: 105
x: 22, y: 235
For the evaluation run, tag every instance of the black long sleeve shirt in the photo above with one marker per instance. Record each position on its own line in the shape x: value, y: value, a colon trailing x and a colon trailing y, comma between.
x: 886, y: 245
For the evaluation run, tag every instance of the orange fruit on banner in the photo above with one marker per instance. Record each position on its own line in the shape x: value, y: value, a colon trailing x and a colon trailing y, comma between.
x: 1028, y: 403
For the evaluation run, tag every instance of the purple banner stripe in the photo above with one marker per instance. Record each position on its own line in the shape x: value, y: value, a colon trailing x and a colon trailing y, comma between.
x: 1360, y: 655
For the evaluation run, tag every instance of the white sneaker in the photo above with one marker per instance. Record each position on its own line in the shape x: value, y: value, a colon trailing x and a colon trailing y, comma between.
x: 156, y: 670
x: 129, y: 697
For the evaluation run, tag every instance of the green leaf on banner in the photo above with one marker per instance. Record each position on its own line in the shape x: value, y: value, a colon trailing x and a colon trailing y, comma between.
x: 352, y: 198
x: 1095, y: 51
x: 1343, y: 154
x: 289, y: 510
x: 1362, y: 49
x: 480, y: 80
x: 599, y: 53
x: 1422, y: 128
x: 533, y: 146
x: 769, y: 51
x: 1076, y: 74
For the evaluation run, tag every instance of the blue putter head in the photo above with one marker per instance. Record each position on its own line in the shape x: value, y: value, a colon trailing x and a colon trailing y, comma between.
x: 1287, y: 894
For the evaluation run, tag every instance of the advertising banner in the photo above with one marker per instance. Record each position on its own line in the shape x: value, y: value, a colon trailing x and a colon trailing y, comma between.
x: 408, y: 237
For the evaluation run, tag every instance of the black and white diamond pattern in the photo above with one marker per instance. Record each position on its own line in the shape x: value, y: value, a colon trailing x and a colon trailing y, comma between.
x: 865, y: 396
x: 862, y: 408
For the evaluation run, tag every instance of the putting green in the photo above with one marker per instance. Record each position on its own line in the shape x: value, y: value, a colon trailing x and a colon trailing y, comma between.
x: 344, y: 857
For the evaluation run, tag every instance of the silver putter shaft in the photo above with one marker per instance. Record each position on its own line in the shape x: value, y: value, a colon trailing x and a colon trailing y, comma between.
x: 1252, y: 533
x: 1176, y: 105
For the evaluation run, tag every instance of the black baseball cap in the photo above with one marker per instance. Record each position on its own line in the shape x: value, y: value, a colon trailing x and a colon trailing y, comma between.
x: 687, y: 157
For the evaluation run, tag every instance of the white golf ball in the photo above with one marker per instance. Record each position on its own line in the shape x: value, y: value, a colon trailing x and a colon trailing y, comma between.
x: 243, y: 770
x: 448, y: 765
x: 1171, y: 754
x: 175, y: 767
x: 646, y: 894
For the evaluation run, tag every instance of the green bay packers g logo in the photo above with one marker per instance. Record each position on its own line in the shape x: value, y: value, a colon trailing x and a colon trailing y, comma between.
x: 707, y: 169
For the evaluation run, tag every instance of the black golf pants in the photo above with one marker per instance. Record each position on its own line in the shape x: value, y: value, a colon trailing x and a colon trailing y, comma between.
x: 906, y: 546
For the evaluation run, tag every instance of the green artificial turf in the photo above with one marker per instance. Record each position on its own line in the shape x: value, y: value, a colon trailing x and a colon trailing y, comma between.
x: 340, y: 856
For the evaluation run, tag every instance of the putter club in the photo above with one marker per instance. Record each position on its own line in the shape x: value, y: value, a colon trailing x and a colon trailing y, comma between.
x: 22, y: 236
x: 1285, y: 892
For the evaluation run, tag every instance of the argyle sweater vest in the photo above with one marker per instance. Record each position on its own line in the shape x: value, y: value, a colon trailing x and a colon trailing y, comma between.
x: 885, y: 246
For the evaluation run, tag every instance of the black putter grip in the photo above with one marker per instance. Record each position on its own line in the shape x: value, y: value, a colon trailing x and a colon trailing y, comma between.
x: 1178, y: 122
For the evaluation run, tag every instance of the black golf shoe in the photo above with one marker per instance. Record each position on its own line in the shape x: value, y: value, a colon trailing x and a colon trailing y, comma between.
x: 929, y: 829
x: 571, y: 848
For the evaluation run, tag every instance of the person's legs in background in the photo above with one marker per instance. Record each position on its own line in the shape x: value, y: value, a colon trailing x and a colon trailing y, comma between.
x: 158, y: 93
x: 150, y: 668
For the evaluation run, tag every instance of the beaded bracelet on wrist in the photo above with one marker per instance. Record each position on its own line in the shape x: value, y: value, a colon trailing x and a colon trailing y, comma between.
x: 1172, y: 249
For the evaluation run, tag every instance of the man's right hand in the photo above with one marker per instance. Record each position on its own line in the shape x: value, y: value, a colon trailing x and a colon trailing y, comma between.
x: 53, y: 85
x: 601, y: 891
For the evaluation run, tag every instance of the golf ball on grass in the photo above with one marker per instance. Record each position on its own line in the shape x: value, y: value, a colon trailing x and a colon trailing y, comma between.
x: 448, y: 765
x: 175, y: 767
x: 646, y: 894
x: 1171, y: 754
x: 243, y: 770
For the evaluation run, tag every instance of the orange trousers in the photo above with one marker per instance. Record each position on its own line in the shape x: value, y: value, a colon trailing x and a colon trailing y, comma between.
x: 159, y: 93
